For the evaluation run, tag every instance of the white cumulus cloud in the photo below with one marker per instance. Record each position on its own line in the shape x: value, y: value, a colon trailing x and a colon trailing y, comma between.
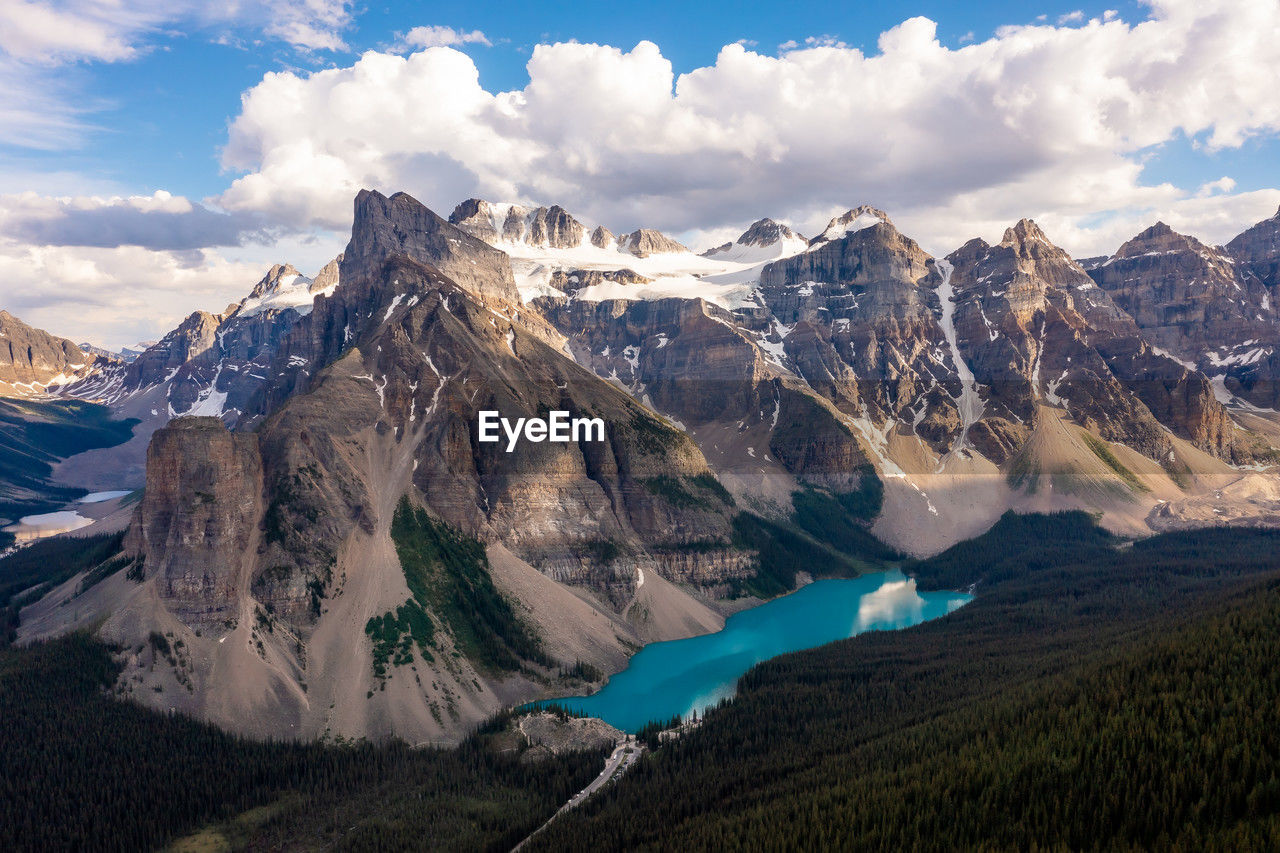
x: 1041, y: 120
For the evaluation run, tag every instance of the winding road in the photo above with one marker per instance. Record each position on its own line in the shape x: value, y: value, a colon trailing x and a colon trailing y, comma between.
x: 622, y: 759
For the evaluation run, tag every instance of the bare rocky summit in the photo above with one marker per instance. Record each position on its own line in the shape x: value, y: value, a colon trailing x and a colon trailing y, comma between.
x: 644, y: 242
x: 32, y: 359
x: 400, y: 225
x: 549, y: 227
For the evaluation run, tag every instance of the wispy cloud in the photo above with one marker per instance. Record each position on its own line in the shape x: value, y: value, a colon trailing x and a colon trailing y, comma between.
x: 811, y: 41
x: 437, y: 36
x: 38, y: 38
x: 1222, y: 185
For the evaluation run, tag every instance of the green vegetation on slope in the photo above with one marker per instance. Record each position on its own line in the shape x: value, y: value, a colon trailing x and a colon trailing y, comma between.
x: 448, y: 574
x: 1015, y: 545
x: 702, y: 491
x: 784, y: 551
x: 84, y: 771
x: 1100, y: 450
x: 828, y: 535
x: 394, y: 635
x: 1091, y: 696
x: 827, y: 517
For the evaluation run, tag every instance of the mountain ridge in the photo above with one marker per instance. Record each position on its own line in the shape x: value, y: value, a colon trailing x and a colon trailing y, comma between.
x: 311, y: 415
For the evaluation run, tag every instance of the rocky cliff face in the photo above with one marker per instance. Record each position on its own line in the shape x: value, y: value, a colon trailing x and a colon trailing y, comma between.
x: 1259, y: 248
x: 644, y: 242
x: 1211, y: 308
x: 572, y: 280
x: 1187, y: 297
x: 193, y: 337
x: 1035, y: 329
x: 196, y: 529
x: 32, y: 360
x: 400, y: 225
x: 548, y: 227
x: 858, y: 318
x: 693, y: 361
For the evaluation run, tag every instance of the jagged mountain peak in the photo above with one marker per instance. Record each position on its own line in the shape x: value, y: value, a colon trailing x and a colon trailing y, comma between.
x: 328, y: 277
x: 32, y: 360
x: 602, y: 238
x: 1159, y: 238
x: 766, y: 232
x: 402, y: 225
x: 1259, y: 244
x: 1211, y: 307
x: 280, y: 275
x: 646, y: 241
x: 470, y: 209
x: 545, y: 227
x: 764, y: 240
x: 852, y: 221
x: 283, y: 287
x: 1025, y: 231
x: 1039, y: 257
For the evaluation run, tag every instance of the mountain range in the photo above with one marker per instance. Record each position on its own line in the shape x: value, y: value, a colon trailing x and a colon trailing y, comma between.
x: 338, y: 554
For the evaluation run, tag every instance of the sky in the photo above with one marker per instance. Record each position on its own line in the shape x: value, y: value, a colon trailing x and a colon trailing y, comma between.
x: 157, y: 156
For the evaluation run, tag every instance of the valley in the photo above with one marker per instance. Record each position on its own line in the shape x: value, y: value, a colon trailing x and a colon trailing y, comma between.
x: 468, y: 427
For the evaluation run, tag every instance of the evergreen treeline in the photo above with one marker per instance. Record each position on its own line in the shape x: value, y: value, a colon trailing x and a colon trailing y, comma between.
x: 29, y: 573
x: 1093, y: 695
x: 83, y: 771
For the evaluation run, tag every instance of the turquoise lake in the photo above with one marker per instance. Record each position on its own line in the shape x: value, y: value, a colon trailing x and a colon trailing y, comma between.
x: 683, y: 676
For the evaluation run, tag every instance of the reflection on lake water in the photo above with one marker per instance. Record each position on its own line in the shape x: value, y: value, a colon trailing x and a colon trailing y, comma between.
x: 47, y: 524
x: 683, y: 676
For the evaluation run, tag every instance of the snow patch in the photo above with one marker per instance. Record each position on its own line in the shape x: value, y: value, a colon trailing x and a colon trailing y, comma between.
x: 970, y: 403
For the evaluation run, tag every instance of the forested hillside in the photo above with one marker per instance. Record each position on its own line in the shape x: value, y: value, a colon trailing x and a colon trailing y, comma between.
x: 1095, y: 694
x: 83, y: 771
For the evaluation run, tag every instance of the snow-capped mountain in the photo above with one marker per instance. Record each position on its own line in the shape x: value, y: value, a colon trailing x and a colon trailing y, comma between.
x: 765, y: 240
x: 850, y: 222
x: 212, y: 364
x: 1002, y: 376
x: 553, y: 254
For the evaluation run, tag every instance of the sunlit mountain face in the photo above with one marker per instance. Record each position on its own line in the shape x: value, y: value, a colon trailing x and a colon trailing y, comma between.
x: 549, y: 427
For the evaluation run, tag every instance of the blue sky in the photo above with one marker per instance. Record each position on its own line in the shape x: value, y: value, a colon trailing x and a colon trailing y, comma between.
x: 156, y: 155
x: 159, y: 122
